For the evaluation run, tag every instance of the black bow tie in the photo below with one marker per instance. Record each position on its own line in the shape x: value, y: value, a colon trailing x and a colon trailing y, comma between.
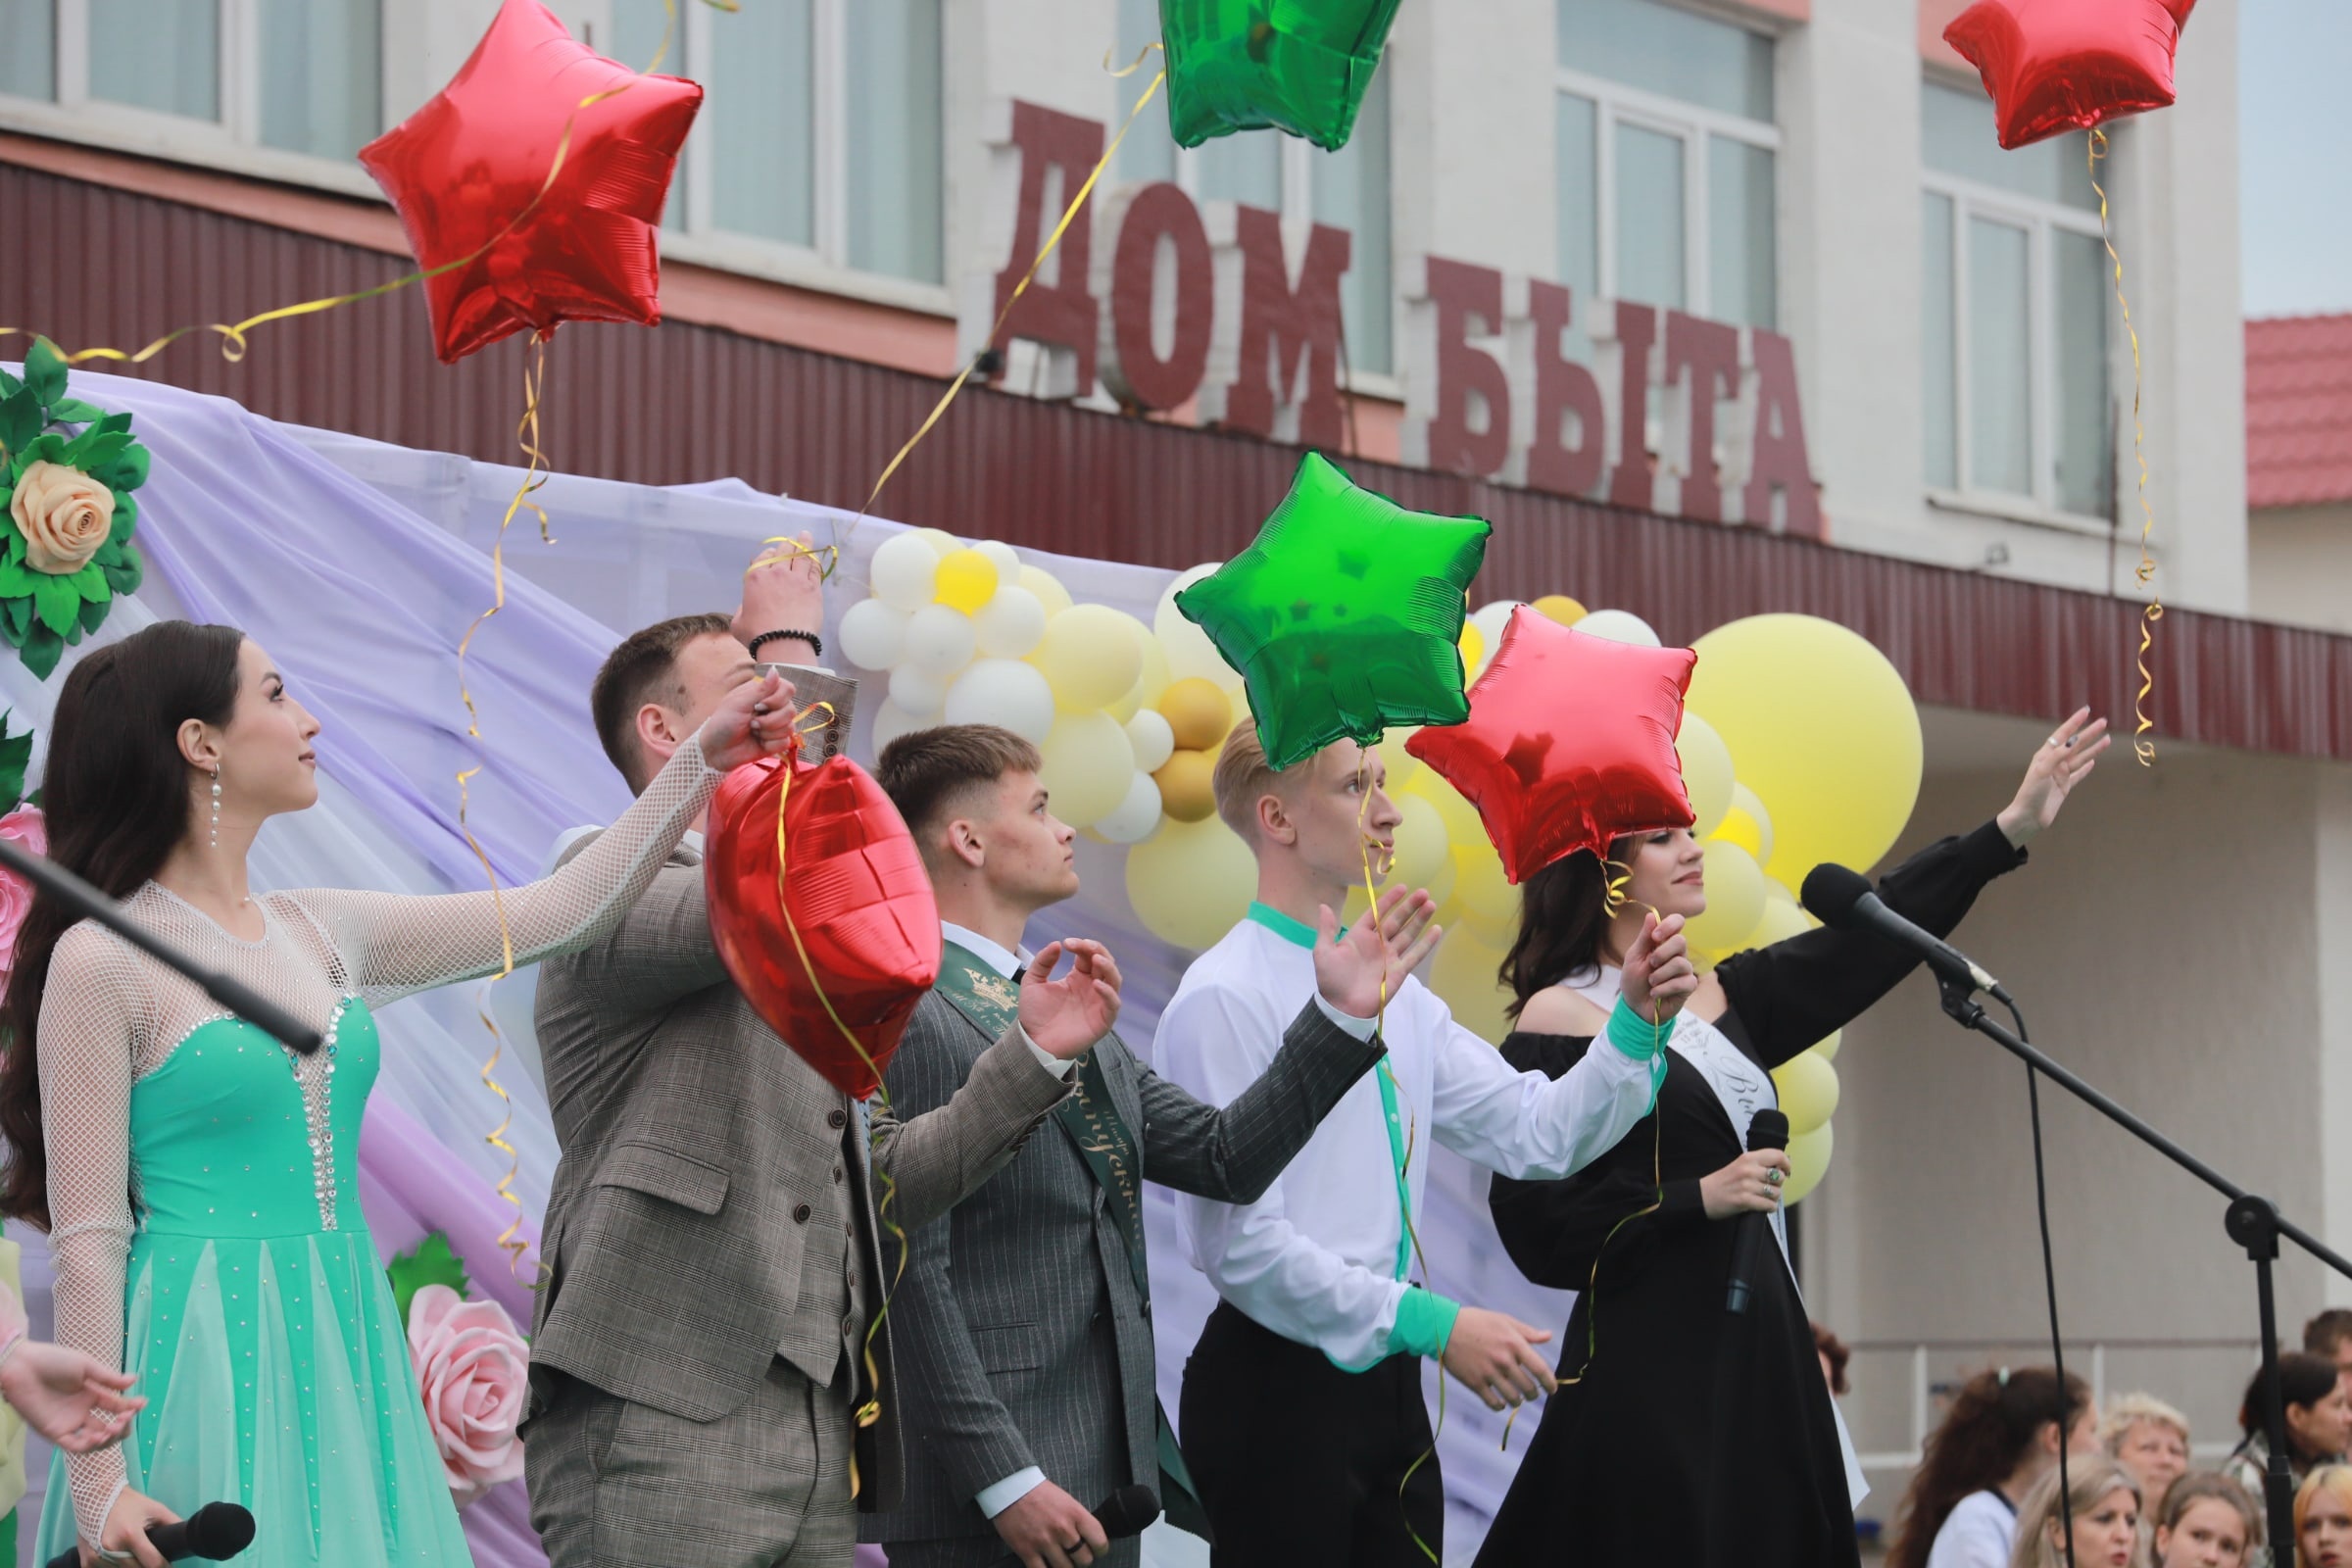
x: 1019, y: 973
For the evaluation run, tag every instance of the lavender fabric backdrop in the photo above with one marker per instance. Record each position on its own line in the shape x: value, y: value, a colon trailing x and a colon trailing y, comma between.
x: 360, y: 566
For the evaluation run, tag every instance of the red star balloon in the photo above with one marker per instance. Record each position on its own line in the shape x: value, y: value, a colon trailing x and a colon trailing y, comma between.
x: 461, y: 172
x: 2069, y: 65
x: 1569, y: 743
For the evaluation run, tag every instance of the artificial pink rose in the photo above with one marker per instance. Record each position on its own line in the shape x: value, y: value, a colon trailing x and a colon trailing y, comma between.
x: 472, y: 1365
x: 26, y: 829
x: 64, y: 516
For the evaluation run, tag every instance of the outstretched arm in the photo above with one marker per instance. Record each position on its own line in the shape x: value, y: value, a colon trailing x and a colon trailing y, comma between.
x: 1232, y: 1154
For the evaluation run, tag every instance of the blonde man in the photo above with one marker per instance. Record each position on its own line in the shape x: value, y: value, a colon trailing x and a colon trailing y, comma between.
x: 1302, y: 1410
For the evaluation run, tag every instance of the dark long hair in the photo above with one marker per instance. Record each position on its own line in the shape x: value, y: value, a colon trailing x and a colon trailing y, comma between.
x: 1563, y: 919
x: 116, y: 795
x: 2304, y: 1379
x: 1989, y: 1427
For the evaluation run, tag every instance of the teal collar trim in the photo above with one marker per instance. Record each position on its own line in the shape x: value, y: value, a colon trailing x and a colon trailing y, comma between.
x: 1297, y: 933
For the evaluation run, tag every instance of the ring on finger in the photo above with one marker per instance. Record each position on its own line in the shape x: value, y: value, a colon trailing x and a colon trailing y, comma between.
x: 1774, y: 1176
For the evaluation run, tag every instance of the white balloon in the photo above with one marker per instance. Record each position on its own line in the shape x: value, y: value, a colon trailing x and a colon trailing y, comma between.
x: 1005, y: 692
x: 905, y: 571
x: 943, y: 543
x: 892, y: 722
x: 1133, y: 819
x: 1489, y: 620
x: 1619, y: 626
x: 939, y: 640
x: 1154, y: 740
x: 1008, y: 558
x: 872, y: 634
x: 1188, y: 650
x: 917, y: 690
x: 1012, y: 624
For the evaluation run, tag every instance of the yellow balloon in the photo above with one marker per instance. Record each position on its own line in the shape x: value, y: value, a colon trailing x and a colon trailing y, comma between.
x: 1808, y: 1090
x: 1808, y: 1161
x: 943, y: 543
x: 966, y: 580
x: 1462, y: 824
x: 1747, y: 824
x: 1735, y: 900
x: 1462, y: 974
x: 1474, y: 647
x: 1190, y: 882
x: 1047, y: 588
x: 1401, y: 763
x: 1827, y: 1050
x: 1458, y: 917
x: 1089, y: 657
x: 1560, y: 608
x: 1089, y: 767
x: 1184, y: 787
x: 1150, y: 681
x: 1821, y: 726
x: 1707, y: 772
x: 1777, y: 891
x: 1479, y: 883
x: 1424, y: 854
x: 1199, y: 712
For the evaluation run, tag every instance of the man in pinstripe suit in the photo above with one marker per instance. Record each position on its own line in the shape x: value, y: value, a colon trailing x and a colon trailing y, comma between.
x: 1024, y: 1317
x: 710, y: 1384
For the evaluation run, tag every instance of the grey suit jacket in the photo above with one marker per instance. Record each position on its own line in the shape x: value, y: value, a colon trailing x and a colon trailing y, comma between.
x: 696, y: 1143
x: 1024, y: 1338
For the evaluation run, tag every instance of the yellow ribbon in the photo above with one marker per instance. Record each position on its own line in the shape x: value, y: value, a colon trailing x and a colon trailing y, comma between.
x: 2144, y: 575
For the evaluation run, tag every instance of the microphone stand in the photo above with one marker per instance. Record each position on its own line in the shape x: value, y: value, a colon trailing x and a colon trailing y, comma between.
x: 90, y: 904
x: 2252, y: 1221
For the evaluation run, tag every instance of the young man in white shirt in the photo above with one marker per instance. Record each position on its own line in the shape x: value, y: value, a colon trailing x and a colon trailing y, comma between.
x: 1302, y: 1411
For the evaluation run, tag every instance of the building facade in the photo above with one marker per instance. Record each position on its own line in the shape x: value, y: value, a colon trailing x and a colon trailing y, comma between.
x: 1713, y: 308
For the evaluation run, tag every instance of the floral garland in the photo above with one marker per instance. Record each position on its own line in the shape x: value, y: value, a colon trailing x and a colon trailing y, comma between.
x: 70, y: 513
x: 471, y: 1367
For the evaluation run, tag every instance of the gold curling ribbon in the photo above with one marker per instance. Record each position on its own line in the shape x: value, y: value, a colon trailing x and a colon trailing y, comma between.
x: 2144, y: 575
x: 870, y: 1412
x: 1069, y: 215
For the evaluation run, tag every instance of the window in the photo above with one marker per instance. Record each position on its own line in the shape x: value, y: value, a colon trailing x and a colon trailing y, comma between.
x: 2014, y: 308
x: 302, y: 76
x: 1667, y: 156
x: 820, y: 135
x: 1347, y: 189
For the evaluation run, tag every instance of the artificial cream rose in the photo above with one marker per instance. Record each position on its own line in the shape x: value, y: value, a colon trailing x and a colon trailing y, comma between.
x: 64, y: 516
x: 470, y: 1366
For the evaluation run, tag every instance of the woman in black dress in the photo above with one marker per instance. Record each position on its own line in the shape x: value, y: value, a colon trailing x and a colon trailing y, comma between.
x: 1695, y: 1437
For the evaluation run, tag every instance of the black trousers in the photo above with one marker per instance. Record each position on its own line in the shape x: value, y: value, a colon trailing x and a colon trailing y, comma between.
x: 1299, y: 1462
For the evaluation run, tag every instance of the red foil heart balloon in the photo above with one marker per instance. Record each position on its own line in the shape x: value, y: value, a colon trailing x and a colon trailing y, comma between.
x: 841, y: 877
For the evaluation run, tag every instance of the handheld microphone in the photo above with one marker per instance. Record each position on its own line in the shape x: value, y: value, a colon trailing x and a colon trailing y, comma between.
x: 1767, y: 1129
x: 1842, y: 898
x: 216, y: 1531
x: 1128, y: 1511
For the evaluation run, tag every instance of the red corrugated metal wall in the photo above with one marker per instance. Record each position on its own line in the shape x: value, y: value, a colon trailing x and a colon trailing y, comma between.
x: 91, y: 265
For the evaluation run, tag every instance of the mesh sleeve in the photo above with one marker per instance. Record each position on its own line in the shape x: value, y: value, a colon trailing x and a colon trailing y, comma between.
x: 393, y: 944
x: 86, y: 1066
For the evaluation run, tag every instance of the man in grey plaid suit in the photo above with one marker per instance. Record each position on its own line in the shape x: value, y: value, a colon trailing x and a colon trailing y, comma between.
x: 705, y: 1392
x: 1025, y: 1314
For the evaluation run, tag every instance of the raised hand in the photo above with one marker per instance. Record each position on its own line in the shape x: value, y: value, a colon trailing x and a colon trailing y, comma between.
x: 1359, y: 972
x: 1067, y: 1015
x: 1659, y: 977
x: 752, y: 721
x: 68, y: 1397
x: 2059, y: 763
x: 783, y: 590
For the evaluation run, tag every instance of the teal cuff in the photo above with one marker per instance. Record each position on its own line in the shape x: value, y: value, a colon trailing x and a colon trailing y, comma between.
x: 1636, y: 1035
x: 1423, y: 1323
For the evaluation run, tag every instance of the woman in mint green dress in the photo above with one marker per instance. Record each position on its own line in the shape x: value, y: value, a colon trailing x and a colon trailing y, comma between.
x: 199, y: 1181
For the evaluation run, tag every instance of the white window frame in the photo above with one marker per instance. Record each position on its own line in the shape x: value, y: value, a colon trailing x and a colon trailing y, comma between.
x: 823, y: 265
x: 231, y: 143
x: 1692, y: 124
x: 2040, y: 218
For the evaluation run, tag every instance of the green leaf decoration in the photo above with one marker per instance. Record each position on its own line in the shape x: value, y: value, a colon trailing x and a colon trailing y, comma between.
x: 8, y: 385
x: 19, y: 419
x: 114, y: 422
x: 90, y: 583
x: 16, y: 579
x: 41, y: 650
x: 72, y: 411
x: 44, y: 372
x: 127, y: 470
x: 428, y: 1263
x: 55, y: 601
x: 93, y: 449
x: 16, y: 619
x: 126, y: 577
x: 15, y: 755
x: 126, y: 518
x: 46, y: 447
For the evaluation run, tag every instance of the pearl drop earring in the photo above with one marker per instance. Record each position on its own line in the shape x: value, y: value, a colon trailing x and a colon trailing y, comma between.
x: 215, y: 806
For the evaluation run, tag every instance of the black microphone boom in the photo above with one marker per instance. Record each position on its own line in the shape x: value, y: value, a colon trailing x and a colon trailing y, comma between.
x: 1766, y: 1129
x: 216, y: 1531
x: 1842, y: 898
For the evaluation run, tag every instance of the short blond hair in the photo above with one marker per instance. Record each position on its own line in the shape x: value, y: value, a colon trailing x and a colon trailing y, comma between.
x: 2127, y: 1410
x: 1241, y: 779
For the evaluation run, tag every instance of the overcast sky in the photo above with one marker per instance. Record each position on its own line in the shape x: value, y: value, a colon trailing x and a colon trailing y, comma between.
x: 2296, y: 154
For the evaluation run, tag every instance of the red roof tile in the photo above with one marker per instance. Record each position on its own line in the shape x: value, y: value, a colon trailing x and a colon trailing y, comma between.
x: 2298, y: 410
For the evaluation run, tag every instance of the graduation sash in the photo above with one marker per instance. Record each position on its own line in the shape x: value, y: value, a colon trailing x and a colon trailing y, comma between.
x: 1092, y: 1119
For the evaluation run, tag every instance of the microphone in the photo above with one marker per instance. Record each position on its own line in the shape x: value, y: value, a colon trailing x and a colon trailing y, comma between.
x: 1128, y: 1511
x: 217, y: 1529
x: 1842, y: 900
x: 1767, y: 1129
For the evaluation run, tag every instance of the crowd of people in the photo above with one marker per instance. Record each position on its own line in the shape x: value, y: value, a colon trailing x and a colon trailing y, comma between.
x: 1986, y: 1492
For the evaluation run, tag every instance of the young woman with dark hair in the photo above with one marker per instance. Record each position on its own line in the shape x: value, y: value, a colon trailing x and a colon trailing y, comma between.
x: 2319, y: 1421
x: 1999, y: 1439
x: 1695, y: 1436
x: 197, y: 1179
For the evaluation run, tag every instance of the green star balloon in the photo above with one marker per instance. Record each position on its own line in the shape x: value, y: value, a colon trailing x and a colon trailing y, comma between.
x: 1299, y: 65
x: 1344, y: 615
